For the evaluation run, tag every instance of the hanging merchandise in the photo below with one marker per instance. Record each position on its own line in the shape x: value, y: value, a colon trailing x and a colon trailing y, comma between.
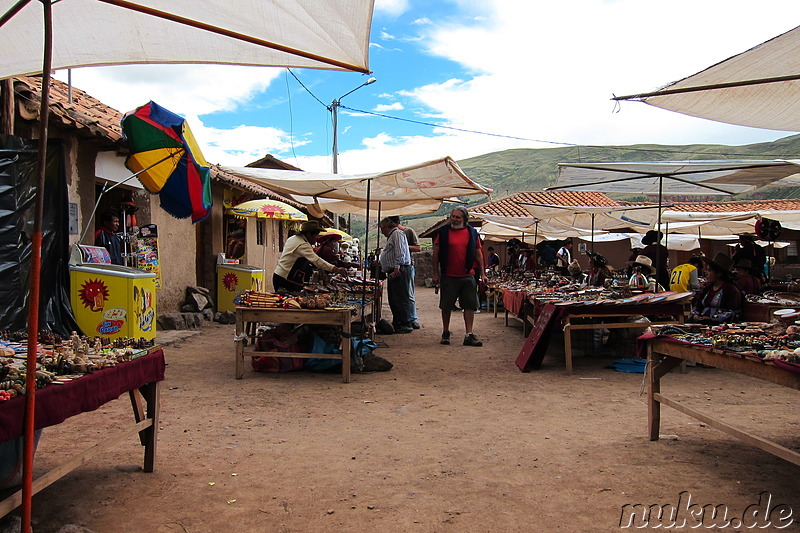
x: 147, y: 251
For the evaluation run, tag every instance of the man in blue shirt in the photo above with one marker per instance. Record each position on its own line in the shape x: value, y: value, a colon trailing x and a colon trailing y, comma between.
x: 395, y: 262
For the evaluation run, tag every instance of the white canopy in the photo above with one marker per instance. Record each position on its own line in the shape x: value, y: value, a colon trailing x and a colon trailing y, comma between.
x: 291, y: 33
x: 722, y: 177
x: 421, y: 186
x: 758, y: 88
x: 604, y: 218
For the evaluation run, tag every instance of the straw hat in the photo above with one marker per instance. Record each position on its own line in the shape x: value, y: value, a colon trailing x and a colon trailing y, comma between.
x: 312, y: 226
x: 643, y: 261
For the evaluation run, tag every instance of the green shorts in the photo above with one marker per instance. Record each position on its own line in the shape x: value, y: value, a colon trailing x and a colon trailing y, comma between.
x: 464, y: 289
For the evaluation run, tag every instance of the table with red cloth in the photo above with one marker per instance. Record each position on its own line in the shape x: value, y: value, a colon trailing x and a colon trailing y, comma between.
x: 582, y: 315
x: 664, y: 353
x: 518, y: 305
x: 57, y: 402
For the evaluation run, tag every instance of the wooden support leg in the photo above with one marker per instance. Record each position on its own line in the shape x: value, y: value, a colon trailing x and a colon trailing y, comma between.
x: 653, y: 387
x: 568, y: 348
x: 347, y: 345
x: 139, y: 410
x: 150, y: 393
x: 239, y: 351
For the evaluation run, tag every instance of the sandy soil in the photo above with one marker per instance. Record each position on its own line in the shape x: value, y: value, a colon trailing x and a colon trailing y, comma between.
x: 452, y: 439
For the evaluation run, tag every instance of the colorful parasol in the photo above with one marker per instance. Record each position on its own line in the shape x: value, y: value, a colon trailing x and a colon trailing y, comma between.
x: 166, y: 153
x: 267, y: 208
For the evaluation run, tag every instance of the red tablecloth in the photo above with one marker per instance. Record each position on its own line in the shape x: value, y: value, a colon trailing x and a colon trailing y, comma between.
x: 56, y: 403
x: 514, y: 300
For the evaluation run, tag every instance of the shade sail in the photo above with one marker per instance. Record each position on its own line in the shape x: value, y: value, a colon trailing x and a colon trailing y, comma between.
x: 292, y: 33
x: 698, y: 178
x: 428, y: 182
x: 758, y: 88
x: 384, y: 208
x: 606, y: 218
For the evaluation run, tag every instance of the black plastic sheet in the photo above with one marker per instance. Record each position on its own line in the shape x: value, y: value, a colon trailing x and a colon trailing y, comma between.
x: 18, y: 176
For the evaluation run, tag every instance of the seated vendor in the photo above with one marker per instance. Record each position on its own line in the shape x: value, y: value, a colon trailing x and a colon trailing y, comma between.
x: 641, y: 267
x: 599, y: 270
x: 720, y: 300
x: 327, y: 251
x: 295, y: 265
x: 748, y: 280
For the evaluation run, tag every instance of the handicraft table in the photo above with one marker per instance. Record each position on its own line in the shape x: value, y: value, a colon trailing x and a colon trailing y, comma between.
x: 248, y: 319
x: 664, y: 354
x: 55, y: 403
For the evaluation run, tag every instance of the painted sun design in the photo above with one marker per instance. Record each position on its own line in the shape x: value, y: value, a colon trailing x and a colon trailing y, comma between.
x: 93, y: 294
x: 230, y: 281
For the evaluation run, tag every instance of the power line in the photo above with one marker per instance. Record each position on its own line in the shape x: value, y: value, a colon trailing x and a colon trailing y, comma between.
x: 306, y: 88
x: 574, y: 145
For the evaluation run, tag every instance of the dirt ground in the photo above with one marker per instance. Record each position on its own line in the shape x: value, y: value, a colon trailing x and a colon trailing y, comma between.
x: 451, y: 439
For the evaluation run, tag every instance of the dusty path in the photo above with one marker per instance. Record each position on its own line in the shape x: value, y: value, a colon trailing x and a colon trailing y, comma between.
x: 452, y: 439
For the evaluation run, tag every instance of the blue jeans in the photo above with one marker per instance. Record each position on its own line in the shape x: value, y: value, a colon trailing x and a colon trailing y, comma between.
x: 411, y: 301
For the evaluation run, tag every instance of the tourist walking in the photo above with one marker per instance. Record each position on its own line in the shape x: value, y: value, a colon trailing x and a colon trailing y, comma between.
x: 456, y: 250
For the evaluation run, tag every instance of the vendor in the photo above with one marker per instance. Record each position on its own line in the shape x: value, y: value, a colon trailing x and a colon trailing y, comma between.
x: 327, y: 251
x: 686, y: 277
x: 295, y: 265
x: 658, y: 254
x: 747, y: 248
x: 106, y: 236
x: 720, y: 300
x: 747, y: 278
x: 641, y: 267
x: 599, y: 270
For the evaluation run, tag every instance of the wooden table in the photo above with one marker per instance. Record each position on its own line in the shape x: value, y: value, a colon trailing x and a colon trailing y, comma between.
x: 55, y: 403
x: 520, y: 308
x: 664, y: 355
x: 248, y: 318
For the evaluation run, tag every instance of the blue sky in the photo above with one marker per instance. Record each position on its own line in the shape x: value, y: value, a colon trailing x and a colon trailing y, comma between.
x: 541, y: 70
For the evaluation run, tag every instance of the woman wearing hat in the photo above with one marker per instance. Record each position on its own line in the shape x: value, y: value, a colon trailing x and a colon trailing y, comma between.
x: 747, y: 280
x: 720, y: 300
x: 642, y: 267
x: 658, y: 254
x: 598, y: 269
x: 326, y: 250
x: 295, y: 265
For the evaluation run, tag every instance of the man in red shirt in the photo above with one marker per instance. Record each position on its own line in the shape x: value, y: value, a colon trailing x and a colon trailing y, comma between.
x: 456, y: 248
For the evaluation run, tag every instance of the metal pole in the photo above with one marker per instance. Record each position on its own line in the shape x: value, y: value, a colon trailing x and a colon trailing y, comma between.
x: 335, y: 120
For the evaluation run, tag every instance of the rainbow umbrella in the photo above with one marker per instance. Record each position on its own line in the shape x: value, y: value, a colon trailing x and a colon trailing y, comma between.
x: 169, y: 160
x: 267, y: 208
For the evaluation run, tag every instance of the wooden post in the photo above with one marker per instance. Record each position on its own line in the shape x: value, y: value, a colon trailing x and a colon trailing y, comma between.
x: 653, y: 387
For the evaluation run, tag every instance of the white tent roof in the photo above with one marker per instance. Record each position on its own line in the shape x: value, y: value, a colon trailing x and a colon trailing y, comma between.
x: 758, y: 88
x: 605, y: 218
x: 423, y: 185
x: 722, y: 177
x: 292, y: 33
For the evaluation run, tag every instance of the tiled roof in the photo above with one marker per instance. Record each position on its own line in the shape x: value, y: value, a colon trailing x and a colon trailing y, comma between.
x: 85, y: 114
x: 734, y: 206
x: 509, y: 206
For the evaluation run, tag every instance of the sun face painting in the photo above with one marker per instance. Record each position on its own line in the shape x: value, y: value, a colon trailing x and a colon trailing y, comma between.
x: 230, y: 281
x: 93, y: 294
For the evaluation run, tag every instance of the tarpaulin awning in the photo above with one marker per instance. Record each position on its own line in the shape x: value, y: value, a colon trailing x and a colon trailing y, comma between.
x: 427, y: 184
x: 698, y: 178
x: 295, y: 33
x: 759, y: 88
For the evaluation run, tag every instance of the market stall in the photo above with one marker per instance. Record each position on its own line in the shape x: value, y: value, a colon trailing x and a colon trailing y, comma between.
x: 740, y: 349
x: 73, y: 394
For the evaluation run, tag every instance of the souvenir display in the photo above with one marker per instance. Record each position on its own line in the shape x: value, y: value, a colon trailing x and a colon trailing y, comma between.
x: 61, y: 360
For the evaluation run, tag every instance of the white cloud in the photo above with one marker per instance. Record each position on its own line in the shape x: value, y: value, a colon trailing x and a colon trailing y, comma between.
x: 242, y: 144
x: 391, y: 7
x: 396, y: 106
x: 547, y: 70
x: 422, y: 21
x: 196, y: 89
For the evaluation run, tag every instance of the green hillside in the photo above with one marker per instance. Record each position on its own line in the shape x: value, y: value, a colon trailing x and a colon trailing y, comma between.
x: 533, y: 169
